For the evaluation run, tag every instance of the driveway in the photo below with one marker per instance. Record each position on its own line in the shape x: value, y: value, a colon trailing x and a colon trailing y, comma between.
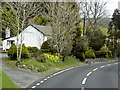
x: 21, y: 78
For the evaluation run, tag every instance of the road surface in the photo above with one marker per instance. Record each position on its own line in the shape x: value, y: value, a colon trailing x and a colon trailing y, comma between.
x: 102, y: 75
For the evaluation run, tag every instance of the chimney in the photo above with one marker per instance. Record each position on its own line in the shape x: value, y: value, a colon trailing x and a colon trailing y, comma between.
x: 48, y: 24
x: 30, y: 20
x: 7, y: 32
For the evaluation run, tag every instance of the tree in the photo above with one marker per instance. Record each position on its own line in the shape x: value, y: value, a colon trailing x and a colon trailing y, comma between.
x: 64, y: 17
x: 114, y: 33
x: 40, y: 20
x: 7, y: 20
x: 22, y: 11
x: 96, y: 40
x: 116, y: 19
x: 94, y: 11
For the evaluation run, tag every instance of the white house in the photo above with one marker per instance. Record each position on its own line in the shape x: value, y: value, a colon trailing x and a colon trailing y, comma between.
x: 33, y: 35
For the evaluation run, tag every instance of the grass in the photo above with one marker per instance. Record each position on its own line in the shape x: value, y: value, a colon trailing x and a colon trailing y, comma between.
x: 51, y: 66
x: 6, y: 82
x: 116, y: 59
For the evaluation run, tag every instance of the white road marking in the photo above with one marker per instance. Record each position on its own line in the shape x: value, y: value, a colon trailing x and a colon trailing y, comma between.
x: 51, y: 76
x: 48, y: 77
x: 38, y: 84
x: 84, y: 81
x: 41, y: 81
x: 89, y: 74
x: 102, y: 66
x: 108, y: 64
x: 54, y: 74
x: 33, y: 87
x: 95, y: 69
x: 115, y: 63
x: 45, y: 79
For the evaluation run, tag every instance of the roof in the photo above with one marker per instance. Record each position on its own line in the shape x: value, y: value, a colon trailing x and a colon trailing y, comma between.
x: 46, y: 30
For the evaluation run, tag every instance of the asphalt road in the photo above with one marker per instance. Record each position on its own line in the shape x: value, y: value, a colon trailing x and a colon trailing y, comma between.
x: 102, y: 75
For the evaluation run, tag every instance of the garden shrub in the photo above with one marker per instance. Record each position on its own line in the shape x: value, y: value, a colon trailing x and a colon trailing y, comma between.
x: 45, y: 45
x: 45, y: 48
x: 42, y: 69
x: 25, y: 52
x: 90, y: 54
x: 32, y: 49
x: 12, y: 52
x: 41, y: 58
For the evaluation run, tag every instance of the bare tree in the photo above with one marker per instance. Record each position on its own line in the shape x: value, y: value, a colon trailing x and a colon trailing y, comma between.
x: 22, y: 11
x: 94, y: 11
x: 64, y: 17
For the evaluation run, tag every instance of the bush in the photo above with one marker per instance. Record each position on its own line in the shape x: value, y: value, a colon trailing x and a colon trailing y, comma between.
x: 101, y: 54
x: 12, y: 52
x: 45, y: 48
x: 25, y: 52
x: 42, y: 68
x: 32, y: 49
x: 45, y: 45
x: 90, y: 54
x: 82, y: 56
x: 110, y: 54
x: 41, y: 58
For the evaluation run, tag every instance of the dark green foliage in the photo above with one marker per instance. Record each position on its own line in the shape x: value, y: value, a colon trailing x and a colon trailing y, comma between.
x: 40, y: 20
x: 116, y: 19
x: 45, y: 48
x: 97, y: 40
x: 25, y: 52
x: 45, y: 45
x: 103, y: 53
x: 41, y: 58
x: 81, y: 56
x: 12, y: 52
x: 32, y: 49
x: 90, y: 54
x: 118, y: 49
x: 7, y: 20
x: 110, y: 54
x: 79, y: 48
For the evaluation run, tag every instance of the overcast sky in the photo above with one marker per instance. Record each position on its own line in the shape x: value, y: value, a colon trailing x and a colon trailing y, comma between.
x: 112, y: 5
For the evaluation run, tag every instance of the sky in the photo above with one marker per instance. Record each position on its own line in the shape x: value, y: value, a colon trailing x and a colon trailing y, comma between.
x: 111, y: 6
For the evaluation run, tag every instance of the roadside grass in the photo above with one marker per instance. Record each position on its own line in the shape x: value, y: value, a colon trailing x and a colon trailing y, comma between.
x: 52, y: 67
x: 6, y: 82
x: 115, y: 59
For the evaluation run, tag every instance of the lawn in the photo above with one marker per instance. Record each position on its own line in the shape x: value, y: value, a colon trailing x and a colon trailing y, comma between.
x: 6, y: 82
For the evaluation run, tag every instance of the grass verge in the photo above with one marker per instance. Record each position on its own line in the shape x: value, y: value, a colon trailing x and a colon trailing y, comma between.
x: 114, y: 59
x: 6, y: 82
x: 48, y: 67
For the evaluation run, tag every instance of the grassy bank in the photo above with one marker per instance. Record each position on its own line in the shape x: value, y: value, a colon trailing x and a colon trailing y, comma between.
x: 6, y: 82
x: 48, y: 67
